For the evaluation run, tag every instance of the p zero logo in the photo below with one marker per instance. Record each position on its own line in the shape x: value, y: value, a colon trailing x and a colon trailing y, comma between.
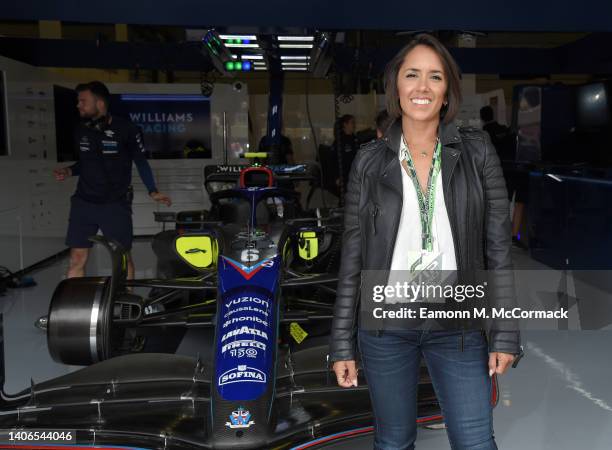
x: 196, y: 250
x: 242, y: 374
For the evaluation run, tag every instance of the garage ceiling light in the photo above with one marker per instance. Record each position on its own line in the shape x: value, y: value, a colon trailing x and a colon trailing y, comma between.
x: 242, y: 45
x: 296, y: 38
x: 295, y: 45
x: 225, y: 37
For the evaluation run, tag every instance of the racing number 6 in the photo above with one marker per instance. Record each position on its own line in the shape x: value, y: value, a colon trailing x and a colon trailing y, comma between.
x: 249, y: 255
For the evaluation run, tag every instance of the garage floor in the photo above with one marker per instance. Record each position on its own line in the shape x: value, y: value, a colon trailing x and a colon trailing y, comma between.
x: 560, y: 396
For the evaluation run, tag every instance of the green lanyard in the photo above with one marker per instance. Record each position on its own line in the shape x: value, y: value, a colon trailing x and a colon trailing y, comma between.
x: 427, y: 200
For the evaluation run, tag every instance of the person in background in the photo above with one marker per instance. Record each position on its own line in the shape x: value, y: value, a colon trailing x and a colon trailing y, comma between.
x: 281, y: 155
x: 501, y: 136
x: 504, y: 141
x: 107, y: 147
x: 346, y: 145
x: 383, y: 122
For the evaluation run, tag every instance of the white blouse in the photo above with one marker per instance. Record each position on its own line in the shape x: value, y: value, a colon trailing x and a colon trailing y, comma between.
x: 408, y: 242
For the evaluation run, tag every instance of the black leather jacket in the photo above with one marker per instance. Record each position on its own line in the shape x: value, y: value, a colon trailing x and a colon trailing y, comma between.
x: 478, y: 210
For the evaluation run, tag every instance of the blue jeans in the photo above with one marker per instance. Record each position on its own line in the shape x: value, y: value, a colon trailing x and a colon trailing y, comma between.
x: 391, y: 362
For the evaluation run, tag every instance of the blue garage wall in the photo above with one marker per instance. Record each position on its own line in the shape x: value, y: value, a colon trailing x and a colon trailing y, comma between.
x: 517, y: 15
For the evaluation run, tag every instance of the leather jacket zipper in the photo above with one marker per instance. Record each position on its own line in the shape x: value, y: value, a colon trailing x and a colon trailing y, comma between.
x: 467, y: 248
x: 457, y: 241
x: 374, y: 214
x: 468, y: 212
x: 393, y: 239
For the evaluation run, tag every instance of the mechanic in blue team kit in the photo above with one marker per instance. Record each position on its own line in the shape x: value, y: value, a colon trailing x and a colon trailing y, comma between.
x: 411, y: 197
x: 107, y: 146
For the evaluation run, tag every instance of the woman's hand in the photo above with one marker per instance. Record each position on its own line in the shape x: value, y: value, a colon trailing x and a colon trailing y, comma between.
x: 499, y: 362
x: 346, y: 373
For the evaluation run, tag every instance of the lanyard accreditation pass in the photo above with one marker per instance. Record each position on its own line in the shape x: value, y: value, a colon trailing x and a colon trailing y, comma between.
x: 426, y: 200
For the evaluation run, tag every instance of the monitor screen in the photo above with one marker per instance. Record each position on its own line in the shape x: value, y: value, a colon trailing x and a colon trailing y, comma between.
x: 593, y: 106
x: 173, y: 125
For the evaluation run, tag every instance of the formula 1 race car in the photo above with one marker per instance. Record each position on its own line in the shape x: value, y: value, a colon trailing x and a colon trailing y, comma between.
x: 227, y: 348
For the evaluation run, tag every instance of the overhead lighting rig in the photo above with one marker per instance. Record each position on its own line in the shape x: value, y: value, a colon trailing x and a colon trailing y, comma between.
x: 321, y: 54
x: 218, y: 52
x: 307, y: 52
x: 218, y: 45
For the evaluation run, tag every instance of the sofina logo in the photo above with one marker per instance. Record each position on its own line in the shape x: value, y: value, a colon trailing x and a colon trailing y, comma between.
x: 242, y: 374
x: 241, y: 418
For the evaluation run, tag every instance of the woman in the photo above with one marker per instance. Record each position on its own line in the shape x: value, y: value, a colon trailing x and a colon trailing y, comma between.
x: 460, y: 216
